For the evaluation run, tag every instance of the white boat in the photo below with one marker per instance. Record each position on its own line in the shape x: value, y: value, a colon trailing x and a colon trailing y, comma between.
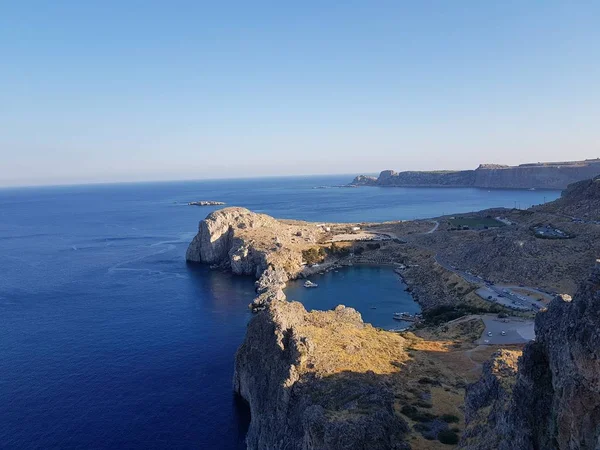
x: 310, y: 284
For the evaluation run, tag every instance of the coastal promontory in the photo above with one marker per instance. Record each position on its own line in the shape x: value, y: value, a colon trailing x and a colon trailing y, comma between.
x: 317, y: 380
x: 551, y: 175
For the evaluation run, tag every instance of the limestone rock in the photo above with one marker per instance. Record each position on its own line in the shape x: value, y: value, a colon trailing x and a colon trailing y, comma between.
x: 214, y: 240
x: 555, y: 402
x: 299, y: 400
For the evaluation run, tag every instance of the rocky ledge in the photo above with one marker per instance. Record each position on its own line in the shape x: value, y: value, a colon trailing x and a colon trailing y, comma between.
x: 314, y: 381
x: 553, y: 400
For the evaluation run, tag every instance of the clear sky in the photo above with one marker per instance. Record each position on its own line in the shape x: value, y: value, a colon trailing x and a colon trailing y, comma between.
x: 146, y: 90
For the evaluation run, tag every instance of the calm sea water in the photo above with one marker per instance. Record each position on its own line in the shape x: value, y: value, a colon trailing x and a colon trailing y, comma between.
x: 376, y: 292
x: 108, y: 339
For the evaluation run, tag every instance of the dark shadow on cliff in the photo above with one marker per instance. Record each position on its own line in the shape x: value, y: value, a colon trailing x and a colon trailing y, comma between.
x: 241, y: 411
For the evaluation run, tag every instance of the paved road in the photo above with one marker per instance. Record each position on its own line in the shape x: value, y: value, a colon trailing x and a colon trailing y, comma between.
x: 500, y: 294
x: 518, y: 331
x: 437, y: 224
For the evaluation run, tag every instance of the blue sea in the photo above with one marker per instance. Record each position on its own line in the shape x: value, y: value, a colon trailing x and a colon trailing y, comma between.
x: 108, y: 339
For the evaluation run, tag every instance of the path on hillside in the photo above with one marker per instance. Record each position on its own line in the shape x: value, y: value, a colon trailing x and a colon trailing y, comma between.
x: 437, y: 224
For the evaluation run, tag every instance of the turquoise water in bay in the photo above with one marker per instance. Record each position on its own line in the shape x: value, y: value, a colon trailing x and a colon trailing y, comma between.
x: 110, y: 340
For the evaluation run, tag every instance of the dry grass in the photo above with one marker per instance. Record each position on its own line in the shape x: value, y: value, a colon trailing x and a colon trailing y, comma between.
x: 428, y: 375
x: 346, y: 347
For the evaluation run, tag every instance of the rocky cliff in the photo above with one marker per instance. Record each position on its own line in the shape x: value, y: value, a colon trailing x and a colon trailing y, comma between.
x: 581, y: 200
x: 254, y: 244
x: 312, y: 382
x: 553, y: 400
x: 526, y: 176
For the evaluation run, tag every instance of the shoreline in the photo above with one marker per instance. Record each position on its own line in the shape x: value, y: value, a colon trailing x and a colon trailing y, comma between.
x: 286, y: 347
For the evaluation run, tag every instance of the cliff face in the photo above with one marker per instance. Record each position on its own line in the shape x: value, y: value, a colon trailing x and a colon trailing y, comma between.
x: 555, y: 401
x: 581, y: 199
x: 218, y: 241
x: 534, y: 176
x: 306, y: 380
x: 254, y: 244
x: 463, y: 178
x: 525, y: 176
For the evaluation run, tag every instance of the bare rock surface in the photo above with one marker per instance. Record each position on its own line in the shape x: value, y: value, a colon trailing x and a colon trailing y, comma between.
x: 580, y: 200
x: 310, y: 383
x: 555, y: 398
x: 249, y: 243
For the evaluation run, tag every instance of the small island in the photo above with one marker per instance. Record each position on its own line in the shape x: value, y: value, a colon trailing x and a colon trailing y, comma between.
x: 206, y: 203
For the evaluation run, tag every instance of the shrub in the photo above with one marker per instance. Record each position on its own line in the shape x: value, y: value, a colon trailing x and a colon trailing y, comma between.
x: 448, y: 437
x: 446, y: 313
x: 313, y: 255
x: 450, y: 418
x: 416, y: 415
x: 421, y: 427
x: 373, y: 246
x: 338, y: 250
x: 423, y: 404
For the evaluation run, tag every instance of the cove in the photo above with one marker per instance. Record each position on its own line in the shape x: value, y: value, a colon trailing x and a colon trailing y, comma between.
x: 376, y: 292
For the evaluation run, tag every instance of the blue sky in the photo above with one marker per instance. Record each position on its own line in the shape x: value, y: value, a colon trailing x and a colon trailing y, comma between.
x: 143, y: 90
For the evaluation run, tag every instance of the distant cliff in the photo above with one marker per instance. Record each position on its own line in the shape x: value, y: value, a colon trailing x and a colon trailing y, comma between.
x: 556, y: 175
x: 551, y: 401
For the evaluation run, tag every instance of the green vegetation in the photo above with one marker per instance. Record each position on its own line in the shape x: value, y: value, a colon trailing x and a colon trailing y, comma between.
x: 475, y: 222
x: 417, y: 415
x: 448, y: 437
x: 446, y: 313
x: 313, y: 255
x: 338, y: 250
x: 450, y: 418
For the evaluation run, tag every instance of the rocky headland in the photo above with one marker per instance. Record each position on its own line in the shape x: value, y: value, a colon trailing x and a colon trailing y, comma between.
x: 552, y: 175
x: 326, y: 380
x: 319, y: 380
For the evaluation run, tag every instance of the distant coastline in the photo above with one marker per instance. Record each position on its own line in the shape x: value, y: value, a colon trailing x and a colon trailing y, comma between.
x: 549, y: 175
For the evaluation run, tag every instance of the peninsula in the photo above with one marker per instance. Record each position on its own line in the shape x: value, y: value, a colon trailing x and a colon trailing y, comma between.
x: 326, y: 380
x: 548, y: 175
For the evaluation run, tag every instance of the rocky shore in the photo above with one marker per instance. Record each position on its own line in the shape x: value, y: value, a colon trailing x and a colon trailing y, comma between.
x: 325, y: 380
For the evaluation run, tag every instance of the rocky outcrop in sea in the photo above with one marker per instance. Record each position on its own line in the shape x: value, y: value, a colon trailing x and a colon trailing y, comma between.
x: 248, y: 243
x: 206, y: 203
x: 553, y: 400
